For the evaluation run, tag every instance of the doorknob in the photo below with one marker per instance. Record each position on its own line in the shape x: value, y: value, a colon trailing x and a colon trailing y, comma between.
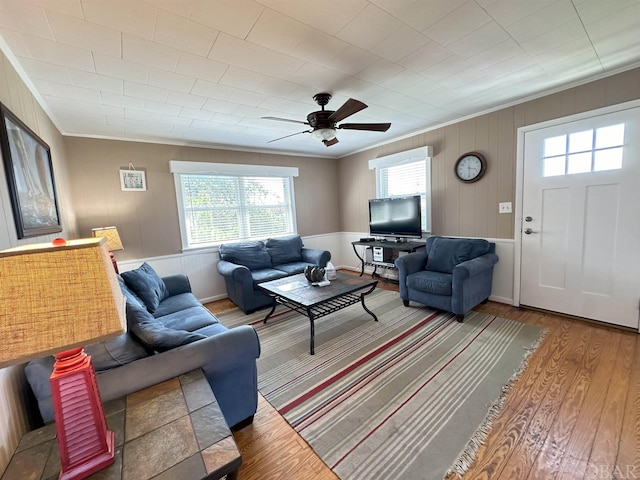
x: 528, y: 231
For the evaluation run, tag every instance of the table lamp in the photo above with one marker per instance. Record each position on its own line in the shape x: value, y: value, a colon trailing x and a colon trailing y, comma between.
x: 113, y: 241
x: 55, y: 298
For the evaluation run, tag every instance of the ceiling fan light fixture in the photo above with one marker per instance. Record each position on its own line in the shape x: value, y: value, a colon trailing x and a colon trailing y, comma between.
x: 324, y: 134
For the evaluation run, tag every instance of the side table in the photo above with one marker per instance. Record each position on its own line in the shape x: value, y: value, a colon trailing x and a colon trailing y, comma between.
x: 170, y: 431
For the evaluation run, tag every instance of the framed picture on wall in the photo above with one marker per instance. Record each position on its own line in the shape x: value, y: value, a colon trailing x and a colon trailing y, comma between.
x: 29, y: 172
x: 133, y: 181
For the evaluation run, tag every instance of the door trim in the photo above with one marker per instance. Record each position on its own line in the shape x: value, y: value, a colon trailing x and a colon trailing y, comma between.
x: 517, y: 228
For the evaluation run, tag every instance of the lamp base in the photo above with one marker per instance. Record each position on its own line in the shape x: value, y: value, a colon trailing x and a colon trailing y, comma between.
x: 113, y: 261
x: 86, y: 445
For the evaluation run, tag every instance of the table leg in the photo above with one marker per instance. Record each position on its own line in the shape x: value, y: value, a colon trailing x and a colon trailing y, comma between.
x: 355, y: 250
x: 362, y: 295
x: 273, y: 309
x: 312, y: 350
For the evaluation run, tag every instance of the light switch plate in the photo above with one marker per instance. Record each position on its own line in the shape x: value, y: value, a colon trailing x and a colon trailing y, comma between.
x: 504, y: 207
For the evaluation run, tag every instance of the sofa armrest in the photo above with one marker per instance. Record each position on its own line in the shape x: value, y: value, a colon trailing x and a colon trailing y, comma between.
x: 406, y: 265
x: 411, y: 263
x: 472, y: 267
x: 177, y: 284
x: 238, y: 273
x: 226, y: 351
x: 223, y: 352
x: 316, y: 256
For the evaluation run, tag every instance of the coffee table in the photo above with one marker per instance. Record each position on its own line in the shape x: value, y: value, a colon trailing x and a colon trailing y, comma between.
x: 314, y: 302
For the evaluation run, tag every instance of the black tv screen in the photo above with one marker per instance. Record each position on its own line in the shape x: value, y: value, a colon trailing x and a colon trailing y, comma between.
x: 395, y: 217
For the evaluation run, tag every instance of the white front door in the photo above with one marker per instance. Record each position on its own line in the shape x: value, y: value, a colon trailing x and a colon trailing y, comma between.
x: 580, y: 251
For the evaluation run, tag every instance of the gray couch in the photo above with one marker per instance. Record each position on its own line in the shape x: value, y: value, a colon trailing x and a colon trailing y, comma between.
x: 169, y: 333
x: 244, y: 265
x: 452, y: 274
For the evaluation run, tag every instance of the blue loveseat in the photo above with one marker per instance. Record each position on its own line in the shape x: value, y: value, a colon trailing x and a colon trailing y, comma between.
x: 246, y: 264
x: 169, y: 333
x: 452, y: 274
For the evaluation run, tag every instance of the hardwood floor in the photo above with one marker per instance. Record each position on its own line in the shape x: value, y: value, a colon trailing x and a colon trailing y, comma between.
x: 573, y: 414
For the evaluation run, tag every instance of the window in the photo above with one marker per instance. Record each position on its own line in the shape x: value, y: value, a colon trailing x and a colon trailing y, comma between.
x: 403, y: 174
x: 583, y: 152
x: 227, y: 202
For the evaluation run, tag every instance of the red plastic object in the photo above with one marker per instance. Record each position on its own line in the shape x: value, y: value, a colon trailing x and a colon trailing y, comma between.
x: 86, y: 445
x: 59, y: 242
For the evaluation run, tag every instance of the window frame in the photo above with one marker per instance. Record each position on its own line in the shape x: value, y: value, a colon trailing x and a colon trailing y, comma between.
x: 409, y: 156
x: 179, y: 168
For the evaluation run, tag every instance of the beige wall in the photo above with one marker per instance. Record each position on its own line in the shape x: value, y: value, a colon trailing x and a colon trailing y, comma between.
x: 16, y: 96
x: 472, y: 209
x: 148, y: 221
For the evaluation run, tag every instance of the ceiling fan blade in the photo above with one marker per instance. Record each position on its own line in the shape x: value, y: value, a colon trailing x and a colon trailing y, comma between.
x: 285, y: 120
x: 350, y: 107
x: 287, y: 136
x: 333, y: 141
x: 374, y: 127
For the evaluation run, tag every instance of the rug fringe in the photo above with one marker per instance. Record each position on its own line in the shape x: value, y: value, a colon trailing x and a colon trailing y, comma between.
x: 465, y: 459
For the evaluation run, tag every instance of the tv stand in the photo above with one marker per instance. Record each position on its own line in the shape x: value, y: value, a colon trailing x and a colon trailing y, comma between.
x: 391, y: 251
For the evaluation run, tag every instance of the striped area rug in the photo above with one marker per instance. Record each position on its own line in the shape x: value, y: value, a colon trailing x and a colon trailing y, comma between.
x: 411, y: 396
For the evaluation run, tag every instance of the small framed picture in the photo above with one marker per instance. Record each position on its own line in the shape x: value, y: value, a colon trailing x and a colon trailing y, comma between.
x: 133, y: 181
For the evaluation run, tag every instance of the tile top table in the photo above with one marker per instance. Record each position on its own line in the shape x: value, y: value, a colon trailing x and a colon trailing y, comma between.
x: 173, y: 430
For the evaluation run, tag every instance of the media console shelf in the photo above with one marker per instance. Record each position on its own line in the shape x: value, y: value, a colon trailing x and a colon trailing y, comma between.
x: 390, y: 250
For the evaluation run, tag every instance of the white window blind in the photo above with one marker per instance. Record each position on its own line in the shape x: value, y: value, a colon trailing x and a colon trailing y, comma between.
x: 405, y: 174
x: 221, y: 207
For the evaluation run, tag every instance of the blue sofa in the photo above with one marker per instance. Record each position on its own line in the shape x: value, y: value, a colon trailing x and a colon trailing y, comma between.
x: 452, y: 274
x: 169, y: 333
x: 246, y: 264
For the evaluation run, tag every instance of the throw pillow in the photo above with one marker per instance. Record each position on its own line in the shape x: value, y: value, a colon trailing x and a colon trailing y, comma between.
x: 285, y: 249
x: 151, y: 332
x: 146, y: 283
x: 446, y: 253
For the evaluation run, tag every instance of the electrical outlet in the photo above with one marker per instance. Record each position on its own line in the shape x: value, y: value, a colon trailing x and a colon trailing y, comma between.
x: 504, y: 207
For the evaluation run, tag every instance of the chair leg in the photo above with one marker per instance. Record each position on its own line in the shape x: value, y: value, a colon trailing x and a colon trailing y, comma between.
x: 485, y: 301
x: 405, y: 302
x: 460, y: 318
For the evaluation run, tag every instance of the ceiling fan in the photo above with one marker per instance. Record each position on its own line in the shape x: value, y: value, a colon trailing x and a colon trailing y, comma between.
x: 323, y: 123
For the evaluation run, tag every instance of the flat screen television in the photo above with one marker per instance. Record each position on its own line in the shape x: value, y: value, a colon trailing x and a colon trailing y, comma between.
x: 398, y: 217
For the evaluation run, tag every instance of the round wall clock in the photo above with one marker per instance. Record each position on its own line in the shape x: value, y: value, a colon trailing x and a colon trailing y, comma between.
x: 470, y: 167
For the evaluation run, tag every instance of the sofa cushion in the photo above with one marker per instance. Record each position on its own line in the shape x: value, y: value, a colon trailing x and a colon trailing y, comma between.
x: 211, y: 330
x: 266, y: 275
x: 430, y: 282
x: 176, y: 303
x: 253, y: 255
x: 479, y: 246
x: 116, y: 352
x: 293, y: 268
x: 152, y: 333
x: 285, y: 249
x: 190, y: 319
x: 146, y: 283
x: 446, y: 253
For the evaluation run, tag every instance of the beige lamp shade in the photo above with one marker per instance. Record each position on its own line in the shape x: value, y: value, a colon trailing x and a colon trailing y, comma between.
x: 53, y: 298
x: 111, y: 234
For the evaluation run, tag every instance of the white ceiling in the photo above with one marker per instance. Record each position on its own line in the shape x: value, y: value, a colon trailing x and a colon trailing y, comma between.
x: 203, y: 72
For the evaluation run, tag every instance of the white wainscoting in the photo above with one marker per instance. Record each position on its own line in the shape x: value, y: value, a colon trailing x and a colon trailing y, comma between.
x: 208, y: 285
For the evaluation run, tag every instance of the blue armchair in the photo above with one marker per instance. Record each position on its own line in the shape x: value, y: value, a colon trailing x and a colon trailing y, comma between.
x: 452, y: 274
